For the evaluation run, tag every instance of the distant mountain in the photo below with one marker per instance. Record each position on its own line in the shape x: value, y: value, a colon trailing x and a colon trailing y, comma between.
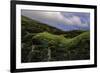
x: 33, y: 26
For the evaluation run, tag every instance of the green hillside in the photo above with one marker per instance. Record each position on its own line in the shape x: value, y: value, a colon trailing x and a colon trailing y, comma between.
x: 32, y: 26
x: 41, y: 42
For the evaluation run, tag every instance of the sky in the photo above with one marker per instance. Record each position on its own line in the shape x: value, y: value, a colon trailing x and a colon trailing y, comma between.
x: 64, y: 21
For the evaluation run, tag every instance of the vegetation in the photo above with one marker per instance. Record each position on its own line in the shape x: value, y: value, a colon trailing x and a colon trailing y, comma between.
x: 41, y: 43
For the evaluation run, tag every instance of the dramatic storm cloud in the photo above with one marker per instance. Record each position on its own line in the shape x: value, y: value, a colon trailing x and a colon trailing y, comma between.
x: 62, y: 20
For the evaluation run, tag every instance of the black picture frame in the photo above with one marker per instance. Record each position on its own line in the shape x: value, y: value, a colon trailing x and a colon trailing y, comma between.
x: 13, y: 35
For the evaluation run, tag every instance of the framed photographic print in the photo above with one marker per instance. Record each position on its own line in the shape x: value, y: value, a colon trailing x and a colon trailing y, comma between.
x: 52, y: 36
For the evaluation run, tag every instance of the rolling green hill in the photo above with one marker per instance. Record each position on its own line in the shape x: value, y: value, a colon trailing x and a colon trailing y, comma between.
x: 62, y: 48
